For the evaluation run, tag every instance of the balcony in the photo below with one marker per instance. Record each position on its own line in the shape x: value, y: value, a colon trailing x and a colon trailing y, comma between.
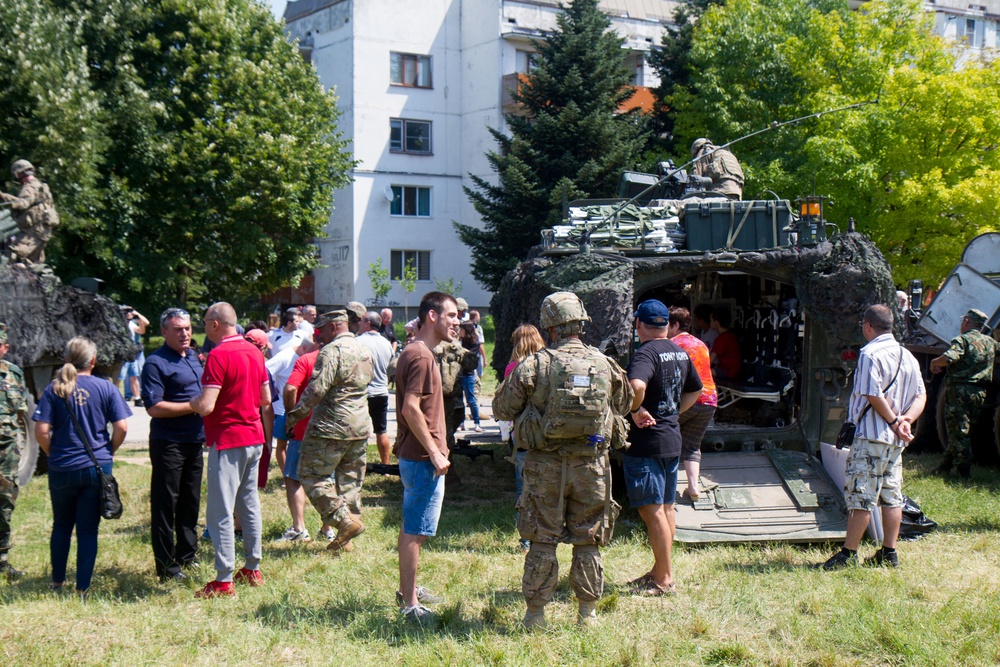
x: 642, y: 97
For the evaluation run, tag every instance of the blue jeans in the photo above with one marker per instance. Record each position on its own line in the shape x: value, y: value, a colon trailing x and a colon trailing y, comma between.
x: 423, y: 494
x: 75, y: 502
x: 469, y: 387
x: 650, y: 481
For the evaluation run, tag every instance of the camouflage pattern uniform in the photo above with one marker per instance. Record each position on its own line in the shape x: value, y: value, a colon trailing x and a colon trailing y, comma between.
x: 333, y: 451
x: 970, y: 370
x: 13, y: 406
x: 567, y: 482
x: 453, y: 359
x: 721, y: 166
x: 34, y: 214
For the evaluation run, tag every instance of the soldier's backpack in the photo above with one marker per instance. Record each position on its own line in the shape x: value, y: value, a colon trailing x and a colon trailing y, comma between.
x: 578, y: 402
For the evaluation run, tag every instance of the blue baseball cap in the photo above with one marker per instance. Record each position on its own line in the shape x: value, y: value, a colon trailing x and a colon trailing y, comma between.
x: 653, y: 313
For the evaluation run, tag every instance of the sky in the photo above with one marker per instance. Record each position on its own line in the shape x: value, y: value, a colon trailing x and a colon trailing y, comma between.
x: 278, y: 7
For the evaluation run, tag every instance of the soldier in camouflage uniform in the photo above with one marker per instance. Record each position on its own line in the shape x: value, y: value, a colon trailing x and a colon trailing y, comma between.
x: 568, y: 403
x: 332, y: 454
x: 720, y: 165
x: 969, y: 361
x: 34, y: 213
x: 13, y: 407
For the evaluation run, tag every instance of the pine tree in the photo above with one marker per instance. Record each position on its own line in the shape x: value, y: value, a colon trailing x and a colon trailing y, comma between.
x: 568, y: 142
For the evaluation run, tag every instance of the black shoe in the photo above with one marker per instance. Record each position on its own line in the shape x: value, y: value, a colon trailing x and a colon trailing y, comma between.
x: 964, y: 471
x: 137, y: 403
x: 8, y: 570
x: 841, y: 559
x: 883, y: 558
x: 176, y: 577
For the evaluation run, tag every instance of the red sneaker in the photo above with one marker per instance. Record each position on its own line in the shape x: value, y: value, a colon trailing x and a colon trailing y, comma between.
x: 249, y: 577
x: 217, y: 589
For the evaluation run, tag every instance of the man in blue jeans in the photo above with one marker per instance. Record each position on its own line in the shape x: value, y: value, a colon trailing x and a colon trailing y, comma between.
x: 421, y: 447
x: 665, y: 384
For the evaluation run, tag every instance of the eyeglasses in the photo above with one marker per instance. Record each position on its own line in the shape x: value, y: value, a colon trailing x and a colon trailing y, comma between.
x: 171, y: 313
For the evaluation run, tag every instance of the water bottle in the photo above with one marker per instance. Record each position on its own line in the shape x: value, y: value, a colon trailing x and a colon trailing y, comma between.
x: 595, y: 440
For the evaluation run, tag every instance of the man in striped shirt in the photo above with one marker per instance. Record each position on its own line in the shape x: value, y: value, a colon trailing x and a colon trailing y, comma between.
x: 887, y: 398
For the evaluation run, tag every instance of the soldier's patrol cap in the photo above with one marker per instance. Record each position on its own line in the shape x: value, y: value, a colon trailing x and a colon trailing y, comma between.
x: 331, y: 317
x: 462, y: 304
x: 653, y: 313
x: 3, y: 333
x: 355, y: 310
x: 976, y: 317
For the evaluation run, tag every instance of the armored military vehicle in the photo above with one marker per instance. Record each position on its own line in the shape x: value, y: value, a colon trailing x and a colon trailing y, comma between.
x: 42, y: 314
x: 795, y: 298
x: 973, y: 283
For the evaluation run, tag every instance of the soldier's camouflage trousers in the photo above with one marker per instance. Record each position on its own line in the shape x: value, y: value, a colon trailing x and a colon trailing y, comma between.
x: 10, y: 459
x: 331, y: 473
x: 454, y: 415
x: 565, y: 499
x: 962, y: 405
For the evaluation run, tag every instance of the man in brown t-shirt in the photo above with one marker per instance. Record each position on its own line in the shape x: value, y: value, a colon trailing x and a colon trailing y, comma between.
x: 420, y: 446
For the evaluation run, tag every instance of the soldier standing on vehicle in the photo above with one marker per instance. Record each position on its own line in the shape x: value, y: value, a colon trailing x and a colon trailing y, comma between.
x: 720, y: 165
x: 13, y: 408
x: 568, y: 402
x: 332, y: 454
x: 34, y: 213
x: 969, y: 361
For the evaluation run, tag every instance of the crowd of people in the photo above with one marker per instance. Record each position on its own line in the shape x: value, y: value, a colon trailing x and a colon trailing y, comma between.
x: 318, y: 385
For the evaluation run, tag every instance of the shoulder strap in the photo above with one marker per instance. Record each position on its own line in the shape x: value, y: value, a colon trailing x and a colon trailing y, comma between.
x: 80, y: 432
x: 895, y: 375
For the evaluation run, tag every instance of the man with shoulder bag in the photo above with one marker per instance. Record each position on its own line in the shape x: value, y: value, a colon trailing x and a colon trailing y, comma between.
x: 568, y: 403
x: 887, y: 398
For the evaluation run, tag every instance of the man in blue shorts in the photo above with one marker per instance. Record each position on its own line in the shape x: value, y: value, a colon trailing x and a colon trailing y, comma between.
x: 420, y: 446
x: 666, y: 384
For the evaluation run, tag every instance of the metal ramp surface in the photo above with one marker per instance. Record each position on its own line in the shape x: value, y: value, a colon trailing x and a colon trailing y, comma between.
x: 770, y: 496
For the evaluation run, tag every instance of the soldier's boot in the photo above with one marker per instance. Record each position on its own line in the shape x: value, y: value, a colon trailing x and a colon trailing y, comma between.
x: 586, y: 615
x: 541, y: 575
x: 8, y: 570
x: 534, y: 618
x: 347, y: 530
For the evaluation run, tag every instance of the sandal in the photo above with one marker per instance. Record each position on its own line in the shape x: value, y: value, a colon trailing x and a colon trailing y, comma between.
x: 645, y: 586
x: 693, y: 497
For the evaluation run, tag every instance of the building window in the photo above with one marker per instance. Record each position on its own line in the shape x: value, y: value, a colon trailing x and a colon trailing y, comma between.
x: 974, y: 32
x: 411, y: 200
x: 420, y: 259
x: 410, y: 136
x: 524, y: 61
x: 407, y: 69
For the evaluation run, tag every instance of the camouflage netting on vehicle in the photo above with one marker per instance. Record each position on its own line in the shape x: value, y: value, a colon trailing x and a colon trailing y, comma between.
x: 42, y: 314
x: 603, y: 283
x: 843, y: 283
x: 835, y: 282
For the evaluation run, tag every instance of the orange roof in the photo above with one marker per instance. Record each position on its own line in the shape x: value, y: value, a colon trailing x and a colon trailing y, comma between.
x: 642, y: 99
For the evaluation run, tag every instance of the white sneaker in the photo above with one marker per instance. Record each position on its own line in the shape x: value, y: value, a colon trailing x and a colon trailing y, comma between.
x: 292, y: 535
x: 329, y: 534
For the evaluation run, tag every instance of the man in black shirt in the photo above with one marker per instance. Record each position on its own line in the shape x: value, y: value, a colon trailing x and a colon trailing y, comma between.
x: 666, y: 384
x: 386, y: 329
x: 171, y: 378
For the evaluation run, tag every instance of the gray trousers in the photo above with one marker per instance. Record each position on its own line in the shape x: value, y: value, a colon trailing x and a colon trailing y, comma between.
x: 232, y: 484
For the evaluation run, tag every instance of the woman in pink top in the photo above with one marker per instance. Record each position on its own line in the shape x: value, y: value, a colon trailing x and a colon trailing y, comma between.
x: 526, y: 340
x: 693, y: 422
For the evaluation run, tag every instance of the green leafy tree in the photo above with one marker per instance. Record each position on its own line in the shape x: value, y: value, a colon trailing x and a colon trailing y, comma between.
x: 916, y: 170
x: 408, y: 283
x: 379, y: 278
x: 449, y: 286
x: 208, y: 149
x: 569, y: 143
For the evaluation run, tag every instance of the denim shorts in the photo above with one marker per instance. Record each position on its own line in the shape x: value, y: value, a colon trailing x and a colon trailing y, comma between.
x: 650, y: 481
x: 291, y: 470
x: 279, y: 428
x: 423, y: 494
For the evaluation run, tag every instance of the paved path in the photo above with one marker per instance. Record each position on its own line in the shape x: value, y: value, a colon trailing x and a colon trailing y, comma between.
x: 135, y: 449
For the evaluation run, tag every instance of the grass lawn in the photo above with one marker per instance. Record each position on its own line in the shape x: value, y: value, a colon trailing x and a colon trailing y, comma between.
x: 738, y: 605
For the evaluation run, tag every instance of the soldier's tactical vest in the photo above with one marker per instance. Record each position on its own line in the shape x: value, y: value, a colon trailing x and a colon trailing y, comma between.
x: 578, y: 402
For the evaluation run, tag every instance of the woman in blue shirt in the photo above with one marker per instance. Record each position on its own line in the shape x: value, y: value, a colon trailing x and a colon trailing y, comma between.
x: 74, y: 484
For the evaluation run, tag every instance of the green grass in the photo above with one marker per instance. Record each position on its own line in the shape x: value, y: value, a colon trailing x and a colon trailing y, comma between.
x: 738, y: 605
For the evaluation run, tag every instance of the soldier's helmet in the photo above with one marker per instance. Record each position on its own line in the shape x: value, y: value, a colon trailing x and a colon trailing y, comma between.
x: 562, y: 308
x: 698, y: 144
x: 21, y: 166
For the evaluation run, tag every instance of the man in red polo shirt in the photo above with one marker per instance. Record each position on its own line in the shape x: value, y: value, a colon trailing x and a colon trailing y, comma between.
x: 235, y: 396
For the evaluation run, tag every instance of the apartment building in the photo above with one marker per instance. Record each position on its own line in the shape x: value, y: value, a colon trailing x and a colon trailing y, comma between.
x: 419, y: 83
